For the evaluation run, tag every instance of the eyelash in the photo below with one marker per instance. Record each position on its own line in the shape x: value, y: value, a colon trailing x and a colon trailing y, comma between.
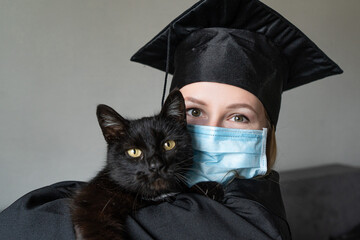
x: 242, y: 116
x: 188, y: 111
x: 191, y: 109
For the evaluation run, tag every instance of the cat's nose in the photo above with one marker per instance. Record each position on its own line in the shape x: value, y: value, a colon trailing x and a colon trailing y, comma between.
x: 155, y: 165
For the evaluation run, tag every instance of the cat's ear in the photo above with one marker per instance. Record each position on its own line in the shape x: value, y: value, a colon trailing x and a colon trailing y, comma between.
x: 174, y: 107
x: 112, y: 124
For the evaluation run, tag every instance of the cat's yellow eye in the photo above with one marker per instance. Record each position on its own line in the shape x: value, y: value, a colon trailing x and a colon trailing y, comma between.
x: 134, y: 152
x: 168, y: 145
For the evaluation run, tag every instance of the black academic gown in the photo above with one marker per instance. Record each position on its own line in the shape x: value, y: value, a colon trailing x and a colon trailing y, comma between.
x: 251, y: 209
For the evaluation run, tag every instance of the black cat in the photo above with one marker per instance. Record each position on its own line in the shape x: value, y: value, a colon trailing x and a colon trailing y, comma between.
x: 147, y: 160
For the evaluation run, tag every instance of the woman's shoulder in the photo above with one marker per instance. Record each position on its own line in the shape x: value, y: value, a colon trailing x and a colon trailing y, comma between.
x: 243, y: 214
x: 42, y: 198
x: 44, y: 213
x: 263, y: 190
x: 40, y: 214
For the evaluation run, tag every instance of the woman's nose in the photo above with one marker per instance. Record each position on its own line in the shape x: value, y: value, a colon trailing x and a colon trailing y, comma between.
x: 215, y: 122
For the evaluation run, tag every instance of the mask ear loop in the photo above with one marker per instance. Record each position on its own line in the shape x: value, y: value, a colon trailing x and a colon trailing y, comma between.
x: 167, y: 65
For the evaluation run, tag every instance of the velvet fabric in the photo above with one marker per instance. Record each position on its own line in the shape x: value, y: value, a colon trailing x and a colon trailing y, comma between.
x: 251, y: 209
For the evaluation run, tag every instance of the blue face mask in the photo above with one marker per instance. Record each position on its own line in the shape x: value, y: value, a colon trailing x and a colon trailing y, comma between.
x: 222, y: 153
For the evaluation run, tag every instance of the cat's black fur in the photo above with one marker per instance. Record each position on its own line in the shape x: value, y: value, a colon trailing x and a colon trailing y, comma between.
x: 126, y: 183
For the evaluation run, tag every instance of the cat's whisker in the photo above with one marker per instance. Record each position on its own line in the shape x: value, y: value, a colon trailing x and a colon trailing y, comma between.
x: 201, y: 190
x: 189, y: 159
x: 179, y: 180
x: 106, y: 204
x: 136, y: 197
x: 188, y: 166
x: 185, y: 168
x: 181, y: 177
x: 185, y: 180
x: 186, y: 159
x: 178, y: 174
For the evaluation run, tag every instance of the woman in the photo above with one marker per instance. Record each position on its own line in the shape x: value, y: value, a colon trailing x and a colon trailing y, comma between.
x: 231, y: 59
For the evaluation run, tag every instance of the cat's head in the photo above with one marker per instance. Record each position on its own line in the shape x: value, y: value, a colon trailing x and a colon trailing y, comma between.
x: 148, y: 156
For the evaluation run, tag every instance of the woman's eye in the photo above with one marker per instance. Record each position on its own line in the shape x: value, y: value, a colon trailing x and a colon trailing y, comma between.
x: 194, y: 112
x: 134, y: 152
x: 240, y: 118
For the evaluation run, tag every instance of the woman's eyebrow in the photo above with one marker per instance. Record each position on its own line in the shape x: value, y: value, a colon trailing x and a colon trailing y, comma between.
x: 241, y: 105
x: 194, y: 100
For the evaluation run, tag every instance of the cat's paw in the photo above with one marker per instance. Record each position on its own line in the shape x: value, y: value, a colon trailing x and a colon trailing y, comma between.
x: 212, y: 190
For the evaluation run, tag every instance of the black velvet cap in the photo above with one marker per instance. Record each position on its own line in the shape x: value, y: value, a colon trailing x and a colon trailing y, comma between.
x: 243, y: 43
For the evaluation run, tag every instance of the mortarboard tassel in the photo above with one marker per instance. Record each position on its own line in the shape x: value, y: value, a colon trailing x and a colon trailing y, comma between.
x: 167, y: 66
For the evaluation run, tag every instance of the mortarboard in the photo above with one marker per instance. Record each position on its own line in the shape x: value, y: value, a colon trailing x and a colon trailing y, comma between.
x: 238, y: 42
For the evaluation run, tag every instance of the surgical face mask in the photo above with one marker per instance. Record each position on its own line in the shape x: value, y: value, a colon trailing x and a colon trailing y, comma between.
x: 222, y: 153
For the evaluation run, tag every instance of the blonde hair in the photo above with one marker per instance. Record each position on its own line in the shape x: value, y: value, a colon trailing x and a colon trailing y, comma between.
x: 271, y: 151
x: 271, y: 148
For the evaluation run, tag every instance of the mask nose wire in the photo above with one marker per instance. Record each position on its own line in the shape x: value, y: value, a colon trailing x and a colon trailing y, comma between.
x: 167, y: 66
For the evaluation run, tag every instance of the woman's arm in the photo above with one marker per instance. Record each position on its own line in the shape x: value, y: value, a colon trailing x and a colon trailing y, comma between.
x: 40, y: 214
x: 251, y: 209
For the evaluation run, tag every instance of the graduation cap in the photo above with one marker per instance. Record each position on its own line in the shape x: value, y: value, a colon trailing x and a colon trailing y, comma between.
x: 243, y: 43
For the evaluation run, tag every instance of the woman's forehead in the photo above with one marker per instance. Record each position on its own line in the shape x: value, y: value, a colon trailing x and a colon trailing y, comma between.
x: 210, y: 93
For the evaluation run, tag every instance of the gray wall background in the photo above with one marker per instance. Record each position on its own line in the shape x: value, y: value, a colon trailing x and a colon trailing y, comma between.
x: 59, y: 59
